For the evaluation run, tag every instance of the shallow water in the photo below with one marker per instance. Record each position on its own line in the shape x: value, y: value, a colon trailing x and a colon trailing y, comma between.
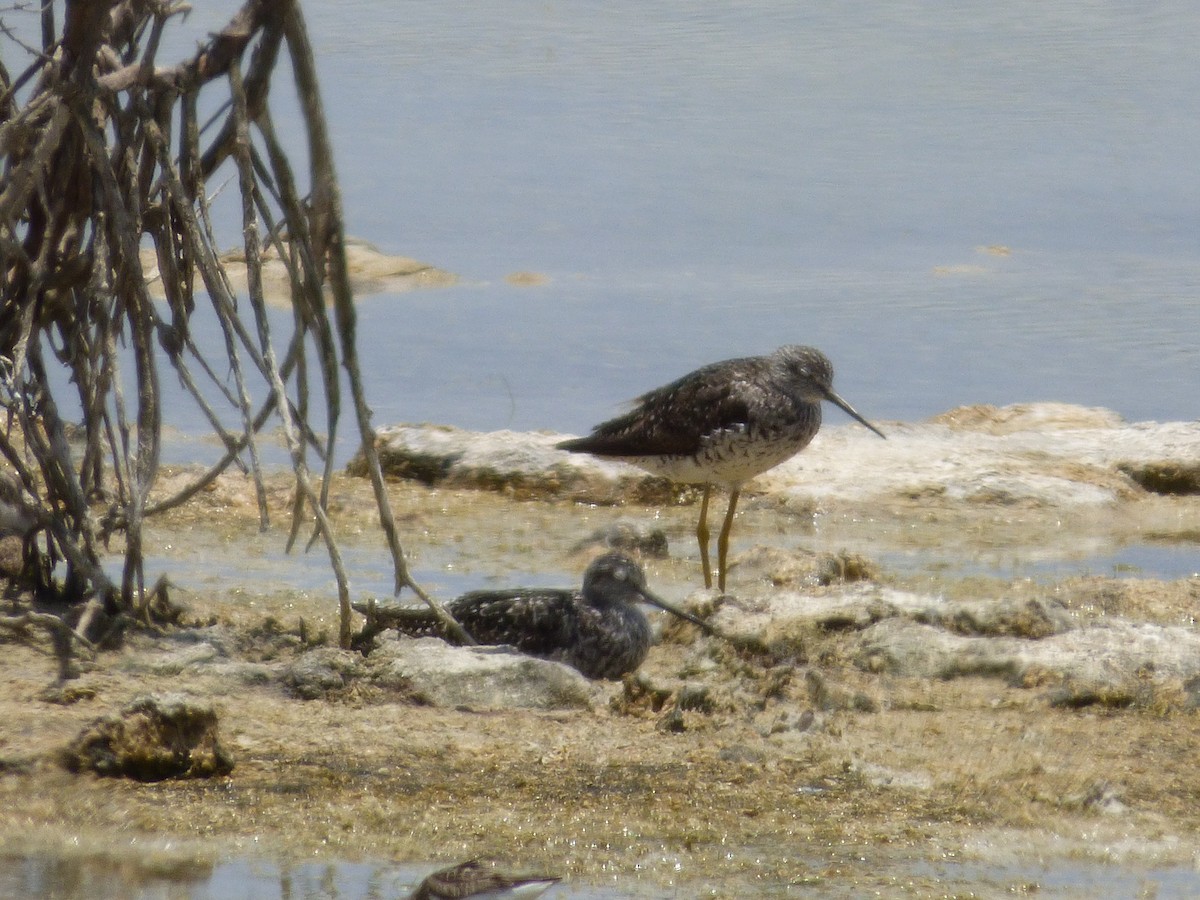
x: 708, y: 183
x: 69, y: 879
x: 700, y: 183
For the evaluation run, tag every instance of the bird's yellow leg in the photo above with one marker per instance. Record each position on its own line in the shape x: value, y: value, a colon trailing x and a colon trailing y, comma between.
x: 702, y: 537
x: 723, y: 540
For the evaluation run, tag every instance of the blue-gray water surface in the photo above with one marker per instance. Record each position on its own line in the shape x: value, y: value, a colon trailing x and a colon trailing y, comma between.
x: 242, y: 879
x: 713, y: 181
x: 959, y: 202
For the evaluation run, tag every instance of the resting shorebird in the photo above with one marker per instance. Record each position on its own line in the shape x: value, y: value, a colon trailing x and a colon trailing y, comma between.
x: 722, y: 425
x: 598, y: 630
x: 475, y: 880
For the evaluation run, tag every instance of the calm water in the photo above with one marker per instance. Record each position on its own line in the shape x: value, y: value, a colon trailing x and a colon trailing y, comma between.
x: 705, y: 182
x: 99, y: 879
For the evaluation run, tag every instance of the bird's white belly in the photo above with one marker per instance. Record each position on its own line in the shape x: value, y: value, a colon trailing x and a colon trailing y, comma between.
x: 727, y: 459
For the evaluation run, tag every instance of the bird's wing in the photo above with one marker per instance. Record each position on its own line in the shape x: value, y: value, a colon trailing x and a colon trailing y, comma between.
x: 674, y: 419
x: 534, y: 621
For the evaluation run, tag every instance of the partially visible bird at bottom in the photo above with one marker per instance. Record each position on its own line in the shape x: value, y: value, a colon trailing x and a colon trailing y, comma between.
x: 474, y: 879
x: 598, y: 630
x: 722, y: 425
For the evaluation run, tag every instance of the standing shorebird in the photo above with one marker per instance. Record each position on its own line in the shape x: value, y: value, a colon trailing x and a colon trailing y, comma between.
x: 722, y: 425
x: 474, y: 879
x: 598, y: 630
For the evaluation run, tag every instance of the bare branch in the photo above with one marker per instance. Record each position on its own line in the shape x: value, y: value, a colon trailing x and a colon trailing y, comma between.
x: 96, y: 169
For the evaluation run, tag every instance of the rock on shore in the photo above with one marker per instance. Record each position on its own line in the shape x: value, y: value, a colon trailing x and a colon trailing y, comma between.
x: 1048, y: 454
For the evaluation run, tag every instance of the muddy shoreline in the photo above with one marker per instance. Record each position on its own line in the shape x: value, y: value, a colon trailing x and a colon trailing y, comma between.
x: 820, y: 759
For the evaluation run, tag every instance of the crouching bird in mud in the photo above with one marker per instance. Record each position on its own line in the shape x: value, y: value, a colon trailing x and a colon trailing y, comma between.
x: 475, y: 880
x: 721, y: 425
x: 598, y: 630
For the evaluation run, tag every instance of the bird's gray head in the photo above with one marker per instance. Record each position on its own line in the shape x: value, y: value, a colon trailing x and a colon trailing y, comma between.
x: 614, y: 575
x: 806, y: 369
x: 615, y: 578
x: 809, y: 374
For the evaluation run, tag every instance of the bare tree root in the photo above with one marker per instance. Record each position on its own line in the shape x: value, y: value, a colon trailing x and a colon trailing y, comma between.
x: 102, y: 157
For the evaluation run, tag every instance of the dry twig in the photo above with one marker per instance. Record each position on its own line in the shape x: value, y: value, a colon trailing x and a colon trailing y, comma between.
x: 101, y: 158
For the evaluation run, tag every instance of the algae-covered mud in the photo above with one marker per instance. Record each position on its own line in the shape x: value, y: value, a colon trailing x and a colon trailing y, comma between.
x: 932, y: 680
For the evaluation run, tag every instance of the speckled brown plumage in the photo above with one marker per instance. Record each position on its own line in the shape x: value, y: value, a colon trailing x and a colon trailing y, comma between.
x: 721, y: 425
x: 598, y: 630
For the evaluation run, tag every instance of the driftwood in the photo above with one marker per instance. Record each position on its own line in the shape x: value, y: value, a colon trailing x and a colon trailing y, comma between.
x: 101, y: 150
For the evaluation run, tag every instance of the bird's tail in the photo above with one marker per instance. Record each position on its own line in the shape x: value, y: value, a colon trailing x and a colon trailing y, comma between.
x: 415, y: 622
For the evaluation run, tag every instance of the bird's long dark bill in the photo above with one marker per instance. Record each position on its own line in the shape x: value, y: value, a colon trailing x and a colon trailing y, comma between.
x: 662, y: 604
x: 834, y: 398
